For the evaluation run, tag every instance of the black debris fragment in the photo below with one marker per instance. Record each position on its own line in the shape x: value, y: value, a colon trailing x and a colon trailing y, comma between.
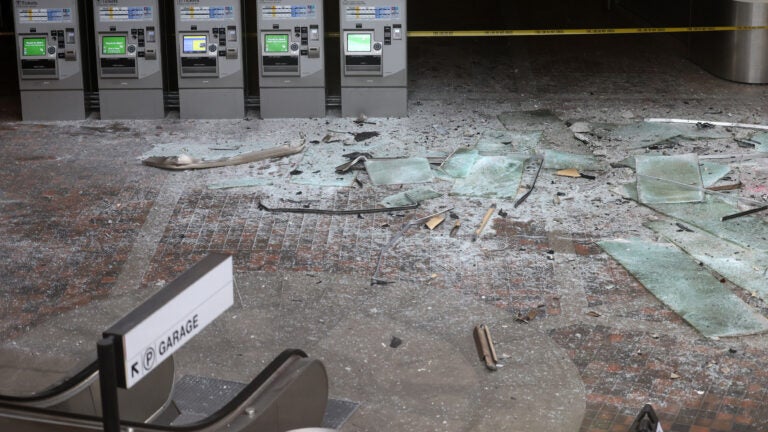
x: 395, y: 342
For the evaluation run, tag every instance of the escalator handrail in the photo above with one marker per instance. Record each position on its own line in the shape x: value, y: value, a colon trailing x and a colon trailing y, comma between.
x: 66, y: 385
x: 224, y: 411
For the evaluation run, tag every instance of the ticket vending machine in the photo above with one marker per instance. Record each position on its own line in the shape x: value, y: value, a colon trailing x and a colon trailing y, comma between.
x: 291, y: 58
x: 49, y: 60
x: 209, y: 55
x: 374, y: 78
x: 129, y: 60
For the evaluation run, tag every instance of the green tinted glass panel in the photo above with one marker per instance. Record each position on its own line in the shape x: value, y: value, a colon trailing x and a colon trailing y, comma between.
x: 113, y: 45
x: 276, y: 43
x: 33, y: 47
x: 359, y: 42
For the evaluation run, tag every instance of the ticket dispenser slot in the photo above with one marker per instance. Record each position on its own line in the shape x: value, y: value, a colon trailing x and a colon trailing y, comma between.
x: 209, y: 58
x: 49, y: 64
x: 127, y: 34
x: 362, y: 54
x: 291, y: 58
x: 199, y: 55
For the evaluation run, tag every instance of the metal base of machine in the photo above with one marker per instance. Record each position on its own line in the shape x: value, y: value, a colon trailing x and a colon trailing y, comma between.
x: 131, y: 104
x: 215, y: 103
x: 740, y: 56
x: 52, y: 105
x: 292, y: 102
x: 374, y: 101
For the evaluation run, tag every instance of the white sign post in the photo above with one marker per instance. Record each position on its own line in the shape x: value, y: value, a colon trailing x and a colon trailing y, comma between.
x: 164, y: 323
x: 148, y: 335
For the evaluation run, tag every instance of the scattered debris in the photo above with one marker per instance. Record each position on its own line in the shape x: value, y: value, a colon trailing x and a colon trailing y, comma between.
x: 674, y: 376
x: 455, y: 229
x: 184, y: 162
x: 594, y: 314
x: 410, y: 197
x: 435, y: 222
x: 574, y: 173
x: 485, y: 348
x: 441, y: 130
x: 683, y: 227
x: 484, y: 222
x: 530, y: 316
x: 362, y: 136
x: 399, y: 171
x: 726, y: 187
x: 533, y: 184
x: 395, y: 342
x: 502, y: 213
x: 336, y: 212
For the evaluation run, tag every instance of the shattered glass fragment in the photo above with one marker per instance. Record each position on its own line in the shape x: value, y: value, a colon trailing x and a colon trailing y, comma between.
x: 742, y: 266
x: 688, y: 289
x: 459, y: 164
x: 554, y: 159
x: 499, y: 143
x: 399, y: 171
x: 414, y: 195
x: 493, y: 176
x: 669, y: 179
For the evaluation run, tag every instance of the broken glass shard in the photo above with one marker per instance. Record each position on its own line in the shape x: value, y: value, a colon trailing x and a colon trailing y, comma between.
x: 459, y: 164
x: 669, y: 179
x: 410, y: 197
x: 691, y: 291
x: 493, y: 176
x: 712, y: 172
x: 762, y: 142
x: 554, y: 159
x: 744, y: 267
x: 644, y: 134
x: 499, y: 143
x: 399, y: 171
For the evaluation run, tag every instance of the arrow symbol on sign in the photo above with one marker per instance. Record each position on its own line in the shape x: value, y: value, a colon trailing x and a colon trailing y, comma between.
x: 134, y: 369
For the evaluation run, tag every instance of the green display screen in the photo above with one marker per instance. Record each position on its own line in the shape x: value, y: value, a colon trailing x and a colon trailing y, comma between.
x: 359, y: 42
x: 275, y: 43
x: 113, y: 45
x: 33, y: 47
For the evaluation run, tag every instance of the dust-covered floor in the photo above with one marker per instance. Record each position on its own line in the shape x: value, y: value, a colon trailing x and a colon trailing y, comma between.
x: 85, y: 224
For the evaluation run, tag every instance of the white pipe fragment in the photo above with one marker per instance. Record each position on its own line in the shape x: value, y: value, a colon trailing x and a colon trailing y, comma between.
x: 716, y: 123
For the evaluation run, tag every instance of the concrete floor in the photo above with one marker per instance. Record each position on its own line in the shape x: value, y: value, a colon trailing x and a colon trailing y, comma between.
x: 87, y: 233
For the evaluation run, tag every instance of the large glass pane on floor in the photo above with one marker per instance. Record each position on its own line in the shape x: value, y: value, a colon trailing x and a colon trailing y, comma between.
x: 744, y: 267
x: 493, y: 176
x: 399, y: 171
x: 669, y: 179
x: 690, y: 290
x: 460, y: 162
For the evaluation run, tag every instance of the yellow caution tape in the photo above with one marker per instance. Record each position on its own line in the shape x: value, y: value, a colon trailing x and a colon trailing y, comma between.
x: 565, y: 32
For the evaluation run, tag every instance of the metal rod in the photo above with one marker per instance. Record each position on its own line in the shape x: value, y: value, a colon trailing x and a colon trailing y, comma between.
x: 337, y: 212
x: 744, y: 213
x: 536, y: 177
x: 107, y: 356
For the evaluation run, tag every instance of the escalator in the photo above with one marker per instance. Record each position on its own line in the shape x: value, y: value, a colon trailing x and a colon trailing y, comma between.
x: 290, y: 393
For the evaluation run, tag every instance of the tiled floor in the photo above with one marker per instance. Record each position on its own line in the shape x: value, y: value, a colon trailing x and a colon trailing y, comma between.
x: 74, y: 200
